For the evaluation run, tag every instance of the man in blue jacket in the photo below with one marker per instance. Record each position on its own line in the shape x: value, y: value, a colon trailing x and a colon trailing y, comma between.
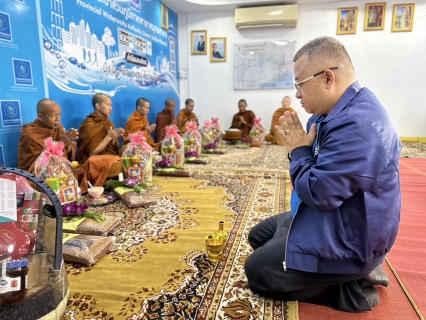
x: 346, y: 201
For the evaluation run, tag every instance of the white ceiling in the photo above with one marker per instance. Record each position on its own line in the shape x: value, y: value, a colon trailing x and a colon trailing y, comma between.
x: 190, y: 6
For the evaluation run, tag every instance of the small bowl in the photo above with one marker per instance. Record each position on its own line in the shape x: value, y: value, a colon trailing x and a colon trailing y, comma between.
x: 96, y: 192
x: 233, y: 135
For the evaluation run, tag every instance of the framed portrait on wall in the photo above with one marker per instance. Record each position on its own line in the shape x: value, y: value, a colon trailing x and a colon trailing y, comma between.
x: 346, y: 21
x: 374, y: 16
x: 218, y: 49
x: 402, y: 19
x: 164, y: 17
x: 198, y: 42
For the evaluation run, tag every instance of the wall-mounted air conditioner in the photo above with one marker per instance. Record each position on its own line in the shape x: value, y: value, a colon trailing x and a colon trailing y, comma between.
x: 283, y: 16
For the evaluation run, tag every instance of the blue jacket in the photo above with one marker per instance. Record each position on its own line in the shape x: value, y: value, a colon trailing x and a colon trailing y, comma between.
x: 350, y: 193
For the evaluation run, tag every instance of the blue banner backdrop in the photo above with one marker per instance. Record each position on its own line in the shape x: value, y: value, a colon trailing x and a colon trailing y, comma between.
x: 22, y: 82
x: 74, y: 49
x: 115, y: 47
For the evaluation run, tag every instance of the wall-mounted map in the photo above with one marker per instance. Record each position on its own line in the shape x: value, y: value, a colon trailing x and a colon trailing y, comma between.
x: 264, y: 65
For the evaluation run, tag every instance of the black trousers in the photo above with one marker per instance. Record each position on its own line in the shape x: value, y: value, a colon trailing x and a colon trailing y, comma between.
x: 266, y: 275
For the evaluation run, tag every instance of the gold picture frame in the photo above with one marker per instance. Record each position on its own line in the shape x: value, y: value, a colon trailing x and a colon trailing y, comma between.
x: 164, y: 17
x: 374, y: 16
x: 402, y: 18
x: 198, y: 42
x: 347, y: 20
x: 218, y: 49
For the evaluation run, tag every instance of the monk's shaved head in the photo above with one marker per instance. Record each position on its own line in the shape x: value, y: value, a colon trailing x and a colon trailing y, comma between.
x: 44, y: 104
x: 49, y: 113
x: 169, y: 101
x: 98, y: 98
x: 141, y: 102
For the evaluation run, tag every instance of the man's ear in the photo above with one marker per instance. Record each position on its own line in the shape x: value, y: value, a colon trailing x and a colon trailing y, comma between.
x: 40, y: 116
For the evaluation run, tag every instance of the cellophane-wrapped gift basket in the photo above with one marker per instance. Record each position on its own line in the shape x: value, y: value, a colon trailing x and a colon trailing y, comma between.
x: 257, y: 133
x: 56, y: 171
x: 33, y: 280
x: 192, y: 141
x: 172, y: 147
x: 137, y: 158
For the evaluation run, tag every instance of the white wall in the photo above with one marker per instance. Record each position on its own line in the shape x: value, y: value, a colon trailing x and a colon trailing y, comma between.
x: 391, y: 64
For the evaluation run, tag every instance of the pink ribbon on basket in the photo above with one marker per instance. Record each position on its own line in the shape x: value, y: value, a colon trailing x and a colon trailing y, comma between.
x: 172, y: 131
x: 138, y: 139
x: 191, y: 126
x: 257, y: 121
x: 215, y: 121
x: 52, y: 149
x: 207, y: 125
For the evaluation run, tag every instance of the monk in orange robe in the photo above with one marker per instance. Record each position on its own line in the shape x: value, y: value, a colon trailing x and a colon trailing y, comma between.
x: 97, y: 143
x: 165, y: 118
x: 47, y: 124
x: 186, y: 115
x: 272, y: 137
x: 244, y: 119
x: 138, y: 121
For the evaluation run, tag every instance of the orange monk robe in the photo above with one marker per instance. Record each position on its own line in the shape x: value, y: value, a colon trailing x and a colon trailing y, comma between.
x: 91, y: 133
x: 271, y: 137
x: 184, y: 117
x: 164, y: 118
x: 31, y: 144
x: 249, y: 119
x: 138, y: 122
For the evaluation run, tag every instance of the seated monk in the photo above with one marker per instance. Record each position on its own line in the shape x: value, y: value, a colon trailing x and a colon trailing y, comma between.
x: 47, y: 124
x: 165, y: 118
x: 271, y: 137
x: 138, y: 121
x: 97, y: 143
x: 244, y: 119
x: 186, y: 115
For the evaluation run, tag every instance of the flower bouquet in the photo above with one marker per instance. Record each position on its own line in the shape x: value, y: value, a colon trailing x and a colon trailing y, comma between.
x: 137, y: 158
x: 79, y: 210
x: 257, y: 133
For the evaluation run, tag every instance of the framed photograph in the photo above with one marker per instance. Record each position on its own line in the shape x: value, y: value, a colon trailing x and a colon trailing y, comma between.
x: 374, y: 16
x: 198, y: 42
x: 68, y: 194
x: 402, y: 19
x: 346, y: 22
x: 164, y: 17
x: 218, y: 49
x: 135, y: 172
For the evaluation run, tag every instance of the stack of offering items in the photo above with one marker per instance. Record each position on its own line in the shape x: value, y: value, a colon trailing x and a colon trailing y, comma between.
x: 137, y: 159
x: 56, y: 171
x: 211, y: 137
x: 192, y: 141
x: 172, y: 147
x: 257, y: 133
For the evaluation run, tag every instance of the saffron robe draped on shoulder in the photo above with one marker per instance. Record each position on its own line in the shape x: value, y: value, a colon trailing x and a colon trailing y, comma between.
x: 31, y: 143
x: 184, y: 117
x: 249, y: 119
x: 164, y: 118
x: 95, y: 168
x: 271, y: 136
x: 138, y: 122
x: 91, y: 133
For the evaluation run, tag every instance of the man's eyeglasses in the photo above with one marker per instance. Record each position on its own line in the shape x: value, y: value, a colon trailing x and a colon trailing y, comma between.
x: 297, y: 84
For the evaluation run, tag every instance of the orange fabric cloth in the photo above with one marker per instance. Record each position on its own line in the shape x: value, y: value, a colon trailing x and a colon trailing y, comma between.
x: 138, y: 122
x: 95, y: 170
x: 248, y: 117
x: 164, y: 118
x: 31, y: 143
x: 185, y: 116
x: 91, y: 133
x: 270, y: 137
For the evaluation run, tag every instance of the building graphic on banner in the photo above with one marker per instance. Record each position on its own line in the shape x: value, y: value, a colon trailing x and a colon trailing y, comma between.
x: 77, y: 54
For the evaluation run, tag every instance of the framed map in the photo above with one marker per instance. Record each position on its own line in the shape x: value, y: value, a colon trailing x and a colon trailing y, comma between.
x: 264, y: 65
